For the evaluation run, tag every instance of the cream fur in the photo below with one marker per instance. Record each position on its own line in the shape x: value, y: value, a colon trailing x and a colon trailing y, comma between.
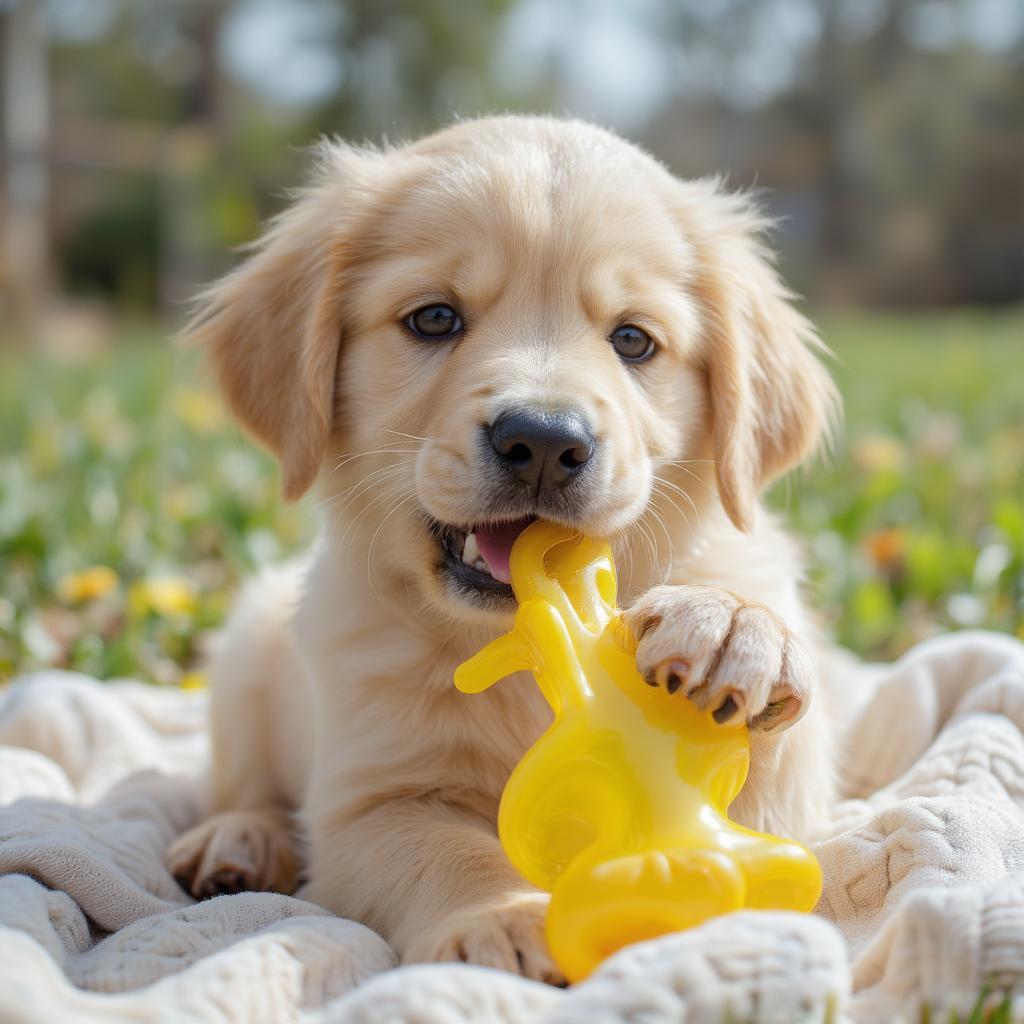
x: 547, y: 235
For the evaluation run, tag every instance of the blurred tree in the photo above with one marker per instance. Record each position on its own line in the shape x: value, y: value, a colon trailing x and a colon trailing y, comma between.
x: 25, y: 121
x: 150, y: 82
x: 409, y: 66
x: 886, y: 133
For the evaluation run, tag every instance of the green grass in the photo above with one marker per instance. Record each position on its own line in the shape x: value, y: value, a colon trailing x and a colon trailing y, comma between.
x: 915, y: 524
x: 126, y: 461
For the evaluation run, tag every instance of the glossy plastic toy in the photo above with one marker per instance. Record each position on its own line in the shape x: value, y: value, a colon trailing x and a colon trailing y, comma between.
x: 619, y: 809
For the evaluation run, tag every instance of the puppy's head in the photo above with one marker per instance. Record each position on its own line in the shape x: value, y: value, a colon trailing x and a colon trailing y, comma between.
x: 515, y: 318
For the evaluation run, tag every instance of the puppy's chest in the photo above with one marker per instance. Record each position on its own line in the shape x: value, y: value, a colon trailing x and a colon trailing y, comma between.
x: 412, y: 727
x: 497, y: 727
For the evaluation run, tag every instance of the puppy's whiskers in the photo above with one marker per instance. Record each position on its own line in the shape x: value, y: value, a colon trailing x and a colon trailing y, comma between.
x: 654, y: 511
x: 684, y: 464
x: 388, y: 491
x: 411, y: 437
x: 376, y: 534
x: 366, y: 483
x: 664, y: 487
x: 661, y: 492
x: 650, y: 545
x: 386, y: 449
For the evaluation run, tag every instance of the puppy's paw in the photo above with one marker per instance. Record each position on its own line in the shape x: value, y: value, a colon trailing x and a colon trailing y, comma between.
x: 729, y: 655
x: 237, y: 851
x: 508, y: 935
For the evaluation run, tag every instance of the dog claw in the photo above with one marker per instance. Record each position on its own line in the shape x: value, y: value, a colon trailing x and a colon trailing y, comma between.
x: 729, y: 709
x: 671, y: 674
x: 775, y: 714
x: 725, y: 712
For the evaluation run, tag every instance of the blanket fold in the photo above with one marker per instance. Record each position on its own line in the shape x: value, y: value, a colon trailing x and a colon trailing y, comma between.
x: 923, y: 901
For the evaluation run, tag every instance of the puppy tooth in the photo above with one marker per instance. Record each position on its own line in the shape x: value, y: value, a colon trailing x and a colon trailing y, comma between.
x: 471, y: 551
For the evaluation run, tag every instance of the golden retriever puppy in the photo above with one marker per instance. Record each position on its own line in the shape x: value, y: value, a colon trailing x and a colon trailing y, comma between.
x: 514, y: 318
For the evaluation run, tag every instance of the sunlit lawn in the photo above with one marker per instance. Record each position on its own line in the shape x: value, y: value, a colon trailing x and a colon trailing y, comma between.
x: 130, y: 508
x: 916, y: 523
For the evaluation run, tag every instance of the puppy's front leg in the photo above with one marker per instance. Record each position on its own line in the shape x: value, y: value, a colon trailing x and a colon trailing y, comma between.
x: 435, y: 882
x: 741, y: 661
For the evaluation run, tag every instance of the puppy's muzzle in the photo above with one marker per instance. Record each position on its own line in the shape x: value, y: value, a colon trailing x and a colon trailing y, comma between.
x: 543, y: 449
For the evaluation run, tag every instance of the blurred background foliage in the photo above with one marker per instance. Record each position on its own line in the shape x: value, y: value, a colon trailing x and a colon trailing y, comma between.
x: 144, y: 139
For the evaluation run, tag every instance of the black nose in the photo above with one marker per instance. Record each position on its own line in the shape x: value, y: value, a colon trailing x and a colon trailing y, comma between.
x: 543, y: 449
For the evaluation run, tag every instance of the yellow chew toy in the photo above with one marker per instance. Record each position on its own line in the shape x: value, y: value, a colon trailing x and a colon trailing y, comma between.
x: 619, y: 809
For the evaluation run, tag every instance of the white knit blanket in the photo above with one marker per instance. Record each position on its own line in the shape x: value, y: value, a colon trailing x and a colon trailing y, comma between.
x: 923, y: 900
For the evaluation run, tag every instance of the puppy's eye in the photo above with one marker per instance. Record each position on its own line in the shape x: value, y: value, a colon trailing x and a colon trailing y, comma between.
x: 434, y: 323
x: 632, y: 344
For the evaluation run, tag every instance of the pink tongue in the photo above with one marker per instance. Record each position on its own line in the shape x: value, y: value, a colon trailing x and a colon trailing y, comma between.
x: 495, y: 543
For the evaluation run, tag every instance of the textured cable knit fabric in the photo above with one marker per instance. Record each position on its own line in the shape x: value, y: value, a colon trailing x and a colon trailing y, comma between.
x: 923, y: 900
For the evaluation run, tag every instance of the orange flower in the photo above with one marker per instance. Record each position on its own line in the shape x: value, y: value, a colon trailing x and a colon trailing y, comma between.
x: 887, y: 548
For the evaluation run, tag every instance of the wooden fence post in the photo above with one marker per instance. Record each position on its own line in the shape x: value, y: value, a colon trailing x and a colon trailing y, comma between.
x: 25, y: 259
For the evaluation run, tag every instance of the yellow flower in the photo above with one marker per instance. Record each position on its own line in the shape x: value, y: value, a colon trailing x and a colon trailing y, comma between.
x: 162, y: 595
x: 87, y: 585
x: 879, y: 454
x: 186, y: 501
x: 193, y: 681
x: 200, y: 411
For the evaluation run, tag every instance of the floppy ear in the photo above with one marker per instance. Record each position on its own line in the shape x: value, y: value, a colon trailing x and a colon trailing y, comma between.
x: 272, y: 327
x: 772, y: 401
